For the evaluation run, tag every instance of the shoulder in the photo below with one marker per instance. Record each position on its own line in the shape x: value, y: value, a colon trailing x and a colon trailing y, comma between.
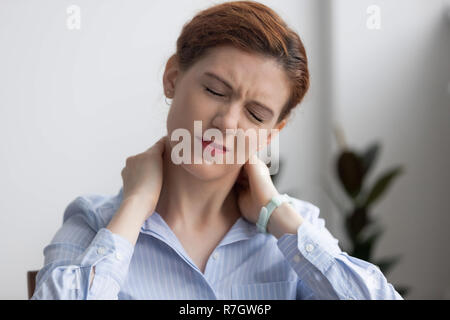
x: 96, y: 209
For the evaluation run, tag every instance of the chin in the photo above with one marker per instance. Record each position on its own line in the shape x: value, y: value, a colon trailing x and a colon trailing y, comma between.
x: 207, y: 171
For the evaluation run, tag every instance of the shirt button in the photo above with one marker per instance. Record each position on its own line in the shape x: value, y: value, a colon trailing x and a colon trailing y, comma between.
x: 215, y: 255
x: 309, y: 247
x: 119, y: 256
x: 101, y: 250
x: 297, y: 258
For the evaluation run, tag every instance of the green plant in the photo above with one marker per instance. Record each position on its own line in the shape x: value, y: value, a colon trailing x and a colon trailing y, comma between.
x: 352, y: 168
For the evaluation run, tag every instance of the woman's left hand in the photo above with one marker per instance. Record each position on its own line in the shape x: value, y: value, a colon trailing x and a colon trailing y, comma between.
x: 254, y: 188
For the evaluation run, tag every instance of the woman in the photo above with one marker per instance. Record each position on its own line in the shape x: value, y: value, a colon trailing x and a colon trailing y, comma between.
x: 210, y: 230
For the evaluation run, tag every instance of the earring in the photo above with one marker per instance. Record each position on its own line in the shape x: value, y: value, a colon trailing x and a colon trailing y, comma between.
x: 168, y: 92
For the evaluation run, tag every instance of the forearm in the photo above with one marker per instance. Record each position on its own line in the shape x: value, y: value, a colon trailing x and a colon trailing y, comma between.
x: 128, y: 219
x: 68, y: 271
x: 318, y: 260
x: 284, y: 219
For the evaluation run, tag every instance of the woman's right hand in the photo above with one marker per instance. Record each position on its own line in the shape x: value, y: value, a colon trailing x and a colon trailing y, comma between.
x: 143, y: 175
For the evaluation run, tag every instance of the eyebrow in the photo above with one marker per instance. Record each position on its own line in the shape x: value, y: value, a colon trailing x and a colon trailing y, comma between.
x: 226, y: 83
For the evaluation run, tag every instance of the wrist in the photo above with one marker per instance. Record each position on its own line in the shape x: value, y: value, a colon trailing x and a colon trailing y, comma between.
x: 140, y: 203
x: 136, y: 209
x: 268, y: 195
x: 284, y: 219
x: 129, y: 218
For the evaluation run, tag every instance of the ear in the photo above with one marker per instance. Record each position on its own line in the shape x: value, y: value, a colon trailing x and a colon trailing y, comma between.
x: 170, y: 76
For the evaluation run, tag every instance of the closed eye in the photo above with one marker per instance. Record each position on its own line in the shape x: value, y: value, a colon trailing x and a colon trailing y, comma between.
x: 213, y: 92
x: 255, y: 117
x: 221, y: 95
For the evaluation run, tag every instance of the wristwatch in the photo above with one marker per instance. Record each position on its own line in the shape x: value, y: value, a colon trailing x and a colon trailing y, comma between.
x: 267, y: 210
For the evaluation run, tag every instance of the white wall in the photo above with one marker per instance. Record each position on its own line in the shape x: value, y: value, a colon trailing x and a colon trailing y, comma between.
x: 75, y: 103
x: 392, y: 85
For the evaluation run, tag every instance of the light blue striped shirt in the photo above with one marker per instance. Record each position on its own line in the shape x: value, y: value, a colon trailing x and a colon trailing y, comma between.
x: 246, y: 264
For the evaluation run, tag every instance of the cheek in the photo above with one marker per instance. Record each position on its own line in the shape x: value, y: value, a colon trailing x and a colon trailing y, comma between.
x: 173, y: 120
x: 181, y: 114
x: 196, y: 107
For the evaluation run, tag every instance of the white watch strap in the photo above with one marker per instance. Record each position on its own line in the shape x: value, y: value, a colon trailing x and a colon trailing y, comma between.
x: 266, y: 211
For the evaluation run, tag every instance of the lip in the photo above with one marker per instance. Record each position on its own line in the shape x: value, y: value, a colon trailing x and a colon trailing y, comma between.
x: 217, y: 147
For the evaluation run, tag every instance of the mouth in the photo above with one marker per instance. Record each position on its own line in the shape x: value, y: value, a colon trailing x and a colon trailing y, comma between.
x: 210, y: 144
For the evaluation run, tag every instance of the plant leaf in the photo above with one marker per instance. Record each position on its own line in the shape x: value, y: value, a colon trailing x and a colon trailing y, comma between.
x: 350, y: 172
x: 369, y: 156
x: 371, y: 228
x: 363, y: 249
x: 356, y: 221
x: 382, y: 184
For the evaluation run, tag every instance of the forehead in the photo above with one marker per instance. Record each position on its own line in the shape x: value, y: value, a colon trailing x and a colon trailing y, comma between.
x: 250, y: 74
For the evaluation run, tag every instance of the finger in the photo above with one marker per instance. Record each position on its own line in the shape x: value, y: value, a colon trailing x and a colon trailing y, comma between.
x: 254, y: 165
x: 257, y: 171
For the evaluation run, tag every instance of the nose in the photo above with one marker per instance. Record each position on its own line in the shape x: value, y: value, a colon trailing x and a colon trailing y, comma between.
x: 227, y: 119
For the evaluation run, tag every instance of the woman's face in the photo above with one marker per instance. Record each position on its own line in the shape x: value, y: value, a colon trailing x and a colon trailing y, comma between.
x: 227, y: 89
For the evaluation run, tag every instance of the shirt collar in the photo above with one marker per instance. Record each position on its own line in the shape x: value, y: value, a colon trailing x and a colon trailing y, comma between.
x: 241, y: 230
x: 156, y: 226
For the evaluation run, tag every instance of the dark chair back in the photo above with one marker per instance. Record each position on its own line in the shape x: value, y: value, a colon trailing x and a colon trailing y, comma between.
x: 31, y: 280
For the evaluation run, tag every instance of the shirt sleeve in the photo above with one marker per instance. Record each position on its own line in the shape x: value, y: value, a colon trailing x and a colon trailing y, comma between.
x: 70, y: 257
x: 328, y: 272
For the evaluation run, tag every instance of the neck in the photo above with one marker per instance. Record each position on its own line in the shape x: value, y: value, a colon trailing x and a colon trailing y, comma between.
x: 188, y: 203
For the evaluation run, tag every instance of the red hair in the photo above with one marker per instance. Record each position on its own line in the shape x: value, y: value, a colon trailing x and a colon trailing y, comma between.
x: 253, y: 27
